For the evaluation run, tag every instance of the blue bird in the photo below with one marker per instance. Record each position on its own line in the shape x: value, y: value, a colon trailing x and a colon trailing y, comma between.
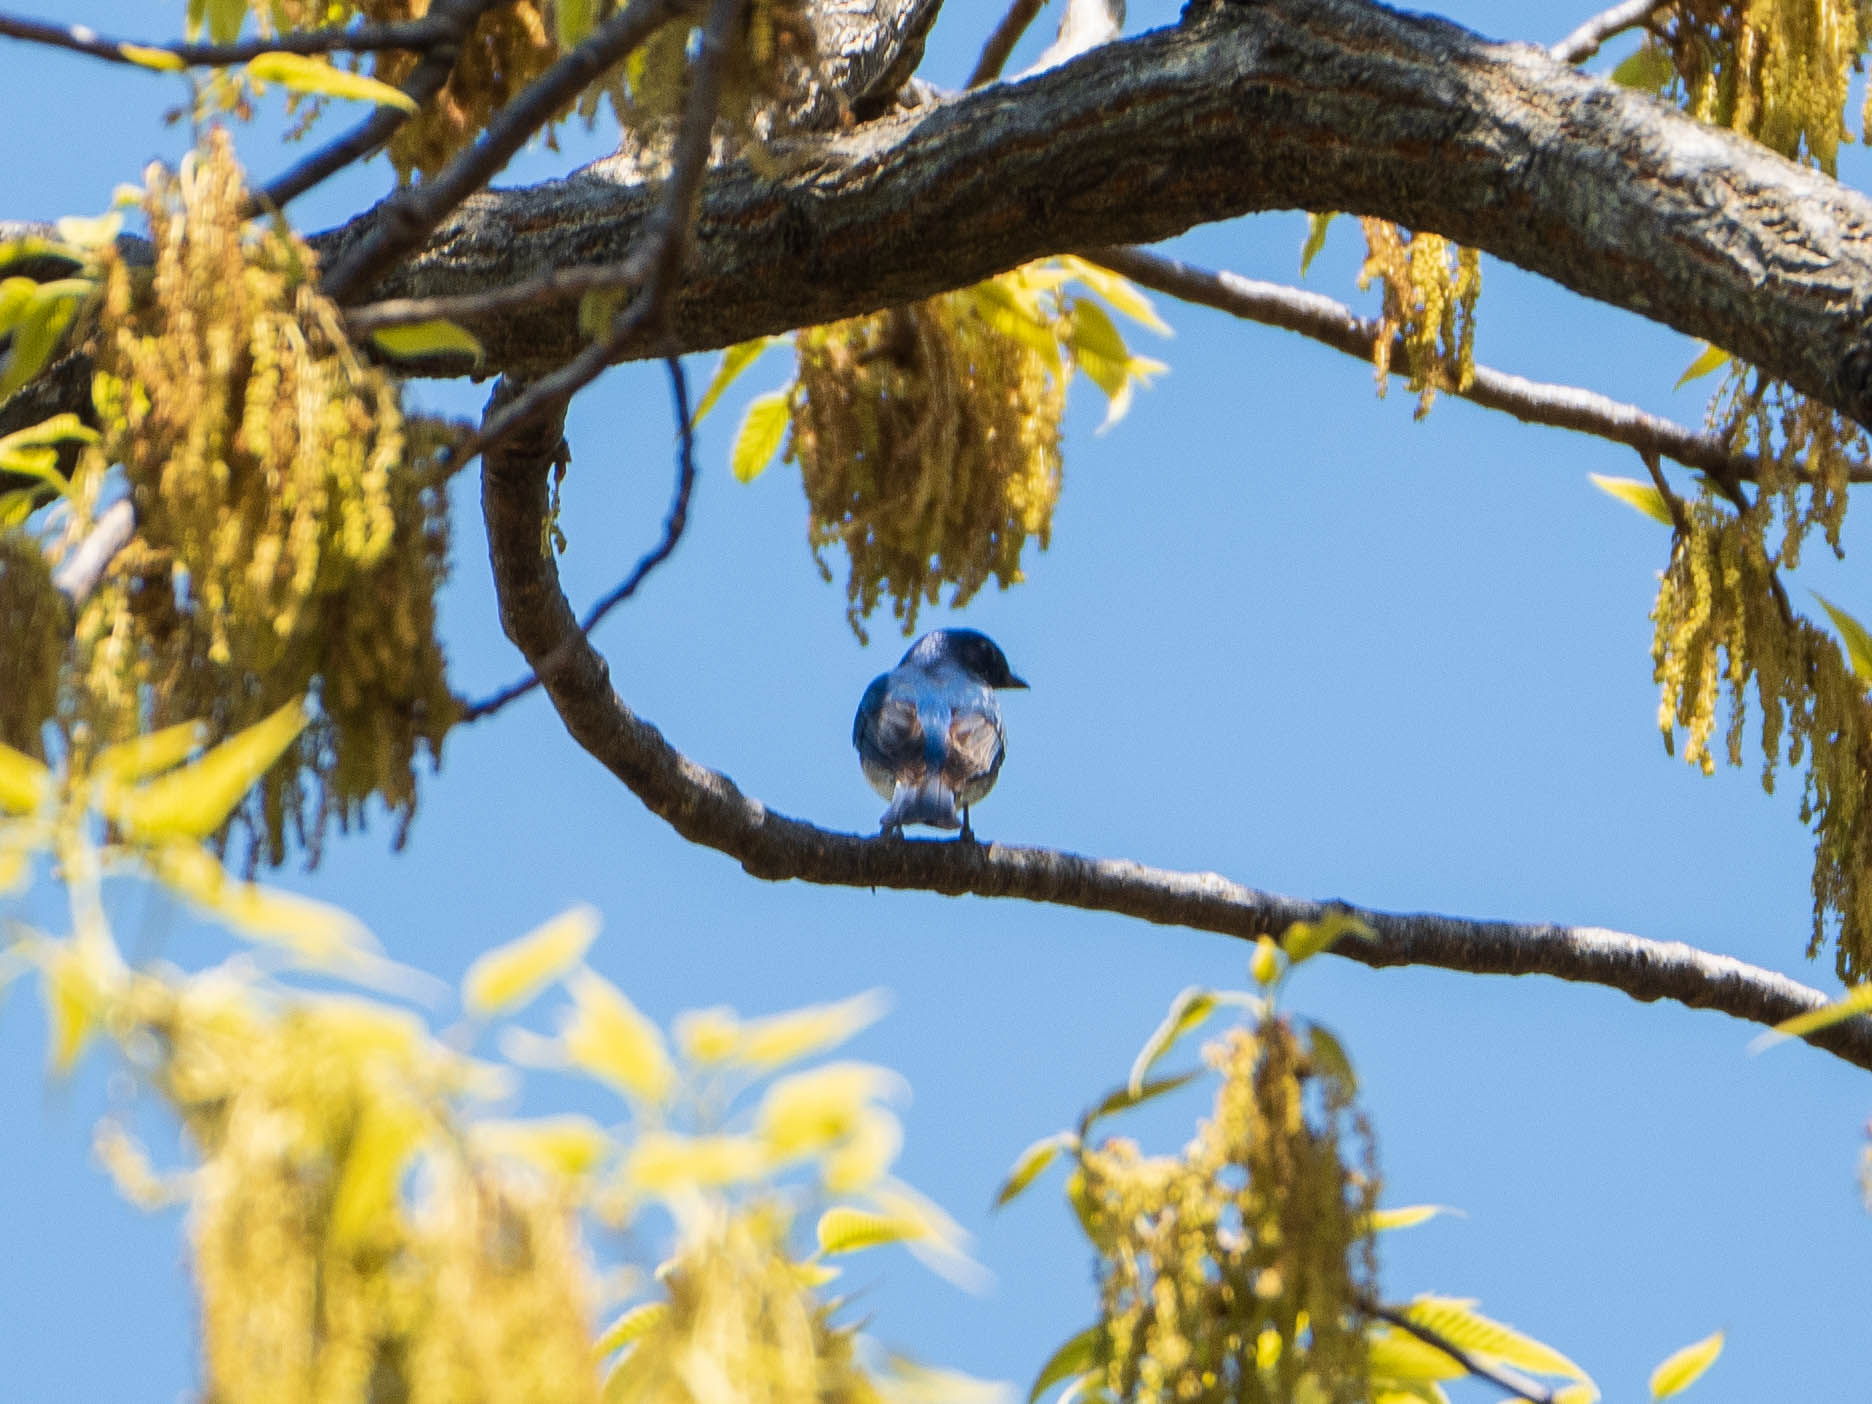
x: 929, y: 732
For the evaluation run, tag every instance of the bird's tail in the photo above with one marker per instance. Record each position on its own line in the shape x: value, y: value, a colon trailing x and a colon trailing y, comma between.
x: 931, y: 802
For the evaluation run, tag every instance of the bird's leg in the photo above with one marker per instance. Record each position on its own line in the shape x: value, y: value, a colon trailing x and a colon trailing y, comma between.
x: 967, y: 835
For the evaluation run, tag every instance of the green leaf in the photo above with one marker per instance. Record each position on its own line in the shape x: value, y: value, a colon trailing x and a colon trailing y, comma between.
x: 143, y: 756
x: 1640, y: 496
x: 735, y: 359
x: 300, y: 73
x: 1315, y: 239
x: 1187, y: 1011
x: 90, y: 233
x: 508, y: 976
x: 1404, y: 1216
x: 60, y: 428
x: 1858, y: 641
x: 843, y: 1229
x: 1305, y: 939
x: 1712, y: 358
x: 633, y: 1325
x: 25, y: 784
x: 1647, y: 68
x: 1400, y: 1357
x: 758, y: 439
x: 1461, y: 1325
x: 1081, y: 1355
x: 1118, y: 290
x: 997, y: 305
x: 1856, y: 1001
x: 159, y: 59
x: 17, y: 296
x: 428, y: 339
x: 1030, y: 1164
x: 1094, y: 333
x: 573, y: 21
x: 1123, y: 1099
x: 1329, y: 1056
x: 37, y: 332
x: 1680, y: 1369
x: 598, y: 309
x: 194, y: 801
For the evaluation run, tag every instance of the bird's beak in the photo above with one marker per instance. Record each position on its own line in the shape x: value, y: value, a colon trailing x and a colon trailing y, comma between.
x: 1013, y: 681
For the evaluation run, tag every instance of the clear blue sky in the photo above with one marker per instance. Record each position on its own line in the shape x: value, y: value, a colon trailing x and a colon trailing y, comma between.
x: 1401, y: 663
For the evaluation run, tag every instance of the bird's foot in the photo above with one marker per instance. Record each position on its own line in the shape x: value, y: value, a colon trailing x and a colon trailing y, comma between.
x: 968, y: 834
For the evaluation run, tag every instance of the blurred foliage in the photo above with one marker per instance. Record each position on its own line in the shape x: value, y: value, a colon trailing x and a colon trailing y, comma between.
x: 1430, y: 285
x: 928, y: 436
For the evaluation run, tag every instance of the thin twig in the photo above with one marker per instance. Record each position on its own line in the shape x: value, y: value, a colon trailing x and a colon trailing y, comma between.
x: 1500, y: 1376
x: 1534, y: 402
x: 673, y: 524
x: 412, y: 34
x: 1000, y: 46
x: 559, y: 285
x: 659, y: 261
x: 453, y: 19
x: 404, y: 220
x: 1680, y: 519
x: 1584, y: 42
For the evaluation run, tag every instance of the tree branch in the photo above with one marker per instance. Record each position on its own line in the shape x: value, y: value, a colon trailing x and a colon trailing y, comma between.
x: 413, y: 34
x: 1517, y: 1384
x: 705, y: 807
x: 1000, y: 46
x: 1338, y: 326
x: 1283, y: 104
x: 1584, y: 42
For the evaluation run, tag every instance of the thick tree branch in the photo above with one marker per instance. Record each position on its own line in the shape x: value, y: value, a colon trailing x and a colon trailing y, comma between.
x: 704, y: 807
x: 1283, y: 104
x: 1531, y: 401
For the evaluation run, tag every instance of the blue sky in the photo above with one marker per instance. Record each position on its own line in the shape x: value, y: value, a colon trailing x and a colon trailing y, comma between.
x: 1283, y: 632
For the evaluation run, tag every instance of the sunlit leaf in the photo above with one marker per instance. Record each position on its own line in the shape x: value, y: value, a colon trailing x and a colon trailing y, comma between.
x: 1081, y: 1355
x: 301, y: 73
x: 60, y: 428
x: 1403, y: 1217
x: 1461, y: 1325
x: 38, y: 329
x: 1315, y: 239
x: 1264, y: 966
x: 778, y: 1039
x: 998, y: 305
x: 708, y: 1035
x: 843, y: 1229
x: 572, y: 21
x: 1030, y: 1164
x: 433, y: 337
x: 1303, y: 940
x: 1187, y: 1011
x: 1584, y: 1393
x: 143, y: 756
x: 1648, y: 69
x: 159, y: 59
x: 1329, y: 1056
x: 1858, y: 641
x: 735, y: 359
x: 1634, y: 493
x: 25, y: 784
x: 506, y: 977
x: 865, y: 1156
x: 633, y: 1325
x: 598, y: 309
x: 809, y: 1111
x: 1680, y: 1369
x: 567, y: 1145
x: 1398, y: 1355
x: 1856, y: 1001
x: 1124, y: 1098
x: 17, y: 294
x: 763, y: 428
x: 196, y: 800
x: 90, y: 231
x: 1711, y: 358
x: 908, y: 1382
x: 609, y: 1038
x: 665, y: 1162
x: 382, y: 1137
x: 1118, y: 290
x: 940, y: 1243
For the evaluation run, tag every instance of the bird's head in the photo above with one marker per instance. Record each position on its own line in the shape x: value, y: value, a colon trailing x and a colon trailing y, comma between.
x: 968, y: 649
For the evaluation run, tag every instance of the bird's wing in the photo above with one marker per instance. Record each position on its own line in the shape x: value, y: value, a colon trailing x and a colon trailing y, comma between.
x: 975, y: 748
x: 887, y: 730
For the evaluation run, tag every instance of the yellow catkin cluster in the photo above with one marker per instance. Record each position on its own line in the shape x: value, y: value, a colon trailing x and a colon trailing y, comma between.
x: 509, y: 46
x: 740, y: 1323
x: 32, y: 622
x: 344, y: 1249
x: 1430, y: 289
x: 929, y: 445
x: 1233, y: 1271
x: 1807, y: 453
x: 1720, y: 621
x: 284, y: 542
x: 1776, y: 70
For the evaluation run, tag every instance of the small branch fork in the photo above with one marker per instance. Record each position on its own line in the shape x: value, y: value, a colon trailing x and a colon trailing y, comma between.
x: 705, y: 807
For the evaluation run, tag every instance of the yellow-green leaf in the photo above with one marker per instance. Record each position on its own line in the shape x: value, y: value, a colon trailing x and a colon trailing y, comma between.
x: 301, y: 73
x: 1030, y: 1164
x: 506, y: 977
x: 1187, y: 1011
x: 665, y: 1162
x: 1461, y: 1325
x: 1858, y: 641
x: 633, y: 1325
x: 143, y: 756
x: 25, y: 784
x: 1680, y: 1369
x: 38, y: 330
x: 734, y: 361
x: 59, y: 429
x: 1648, y: 69
x: 1711, y: 358
x: 1118, y: 290
x: 1403, y: 1217
x: 908, y: 1382
x: 1315, y: 239
x: 568, y: 1144
x: 1020, y: 320
x: 1329, y: 1056
x: 759, y: 437
x: 434, y: 337
x: 1856, y: 1001
x: 807, y: 1112
x: 1305, y: 939
x: 1641, y: 496
x: 1399, y: 1356
x: 778, y: 1039
x: 159, y: 59
x: 317, y: 933
x: 598, y: 309
x: 90, y: 231
x: 1124, y: 1098
x: 708, y: 1035
x: 17, y: 294
x: 572, y: 19
x: 865, y: 1156
x: 194, y: 801
x: 1079, y: 1356
x: 843, y: 1229
x: 609, y: 1038
x: 1095, y: 334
